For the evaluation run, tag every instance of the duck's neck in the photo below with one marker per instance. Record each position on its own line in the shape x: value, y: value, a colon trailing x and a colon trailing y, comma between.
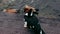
x: 29, y: 14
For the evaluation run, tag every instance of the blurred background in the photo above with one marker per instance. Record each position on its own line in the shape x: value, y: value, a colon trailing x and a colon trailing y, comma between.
x: 49, y: 16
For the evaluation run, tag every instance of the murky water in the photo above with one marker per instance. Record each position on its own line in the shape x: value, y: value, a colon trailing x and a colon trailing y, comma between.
x: 12, y: 24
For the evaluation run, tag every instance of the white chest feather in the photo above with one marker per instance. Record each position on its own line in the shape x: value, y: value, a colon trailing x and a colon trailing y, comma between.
x: 31, y: 14
x: 26, y: 14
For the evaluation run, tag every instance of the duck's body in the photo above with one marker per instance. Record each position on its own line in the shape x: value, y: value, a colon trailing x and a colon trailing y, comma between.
x: 31, y: 21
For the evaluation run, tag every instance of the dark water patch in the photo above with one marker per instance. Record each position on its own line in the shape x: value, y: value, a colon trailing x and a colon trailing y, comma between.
x: 59, y: 15
x: 57, y: 11
x: 49, y: 20
x: 54, y: 0
x: 1, y: 23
